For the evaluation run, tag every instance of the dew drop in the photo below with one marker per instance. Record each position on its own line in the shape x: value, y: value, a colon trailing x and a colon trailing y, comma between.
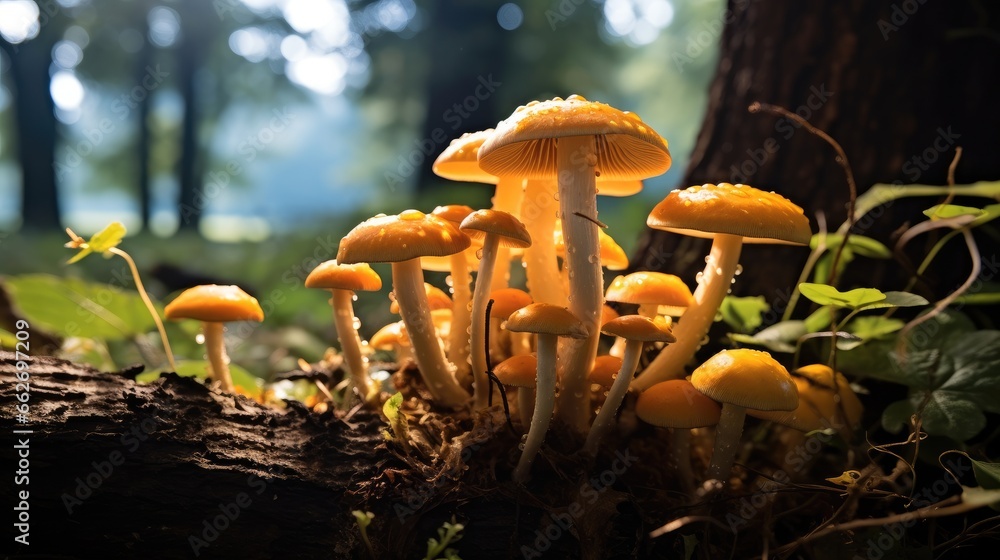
x: 578, y: 394
x: 592, y: 259
x: 700, y: 277
x: 729, y: 291
x: 718, y: 270
x: 200, y: 339
x: 354, y: 297
x: 449, y: 281
x: 739, y: 269
x: 356, y: 323
x: 703, y: 341
x: 468, y: 307
x: 479, y: 254
x: 732, y: 280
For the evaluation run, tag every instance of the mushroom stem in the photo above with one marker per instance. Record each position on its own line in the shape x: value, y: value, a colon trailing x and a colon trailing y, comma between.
x: 727, y: 441
x: 545, y: 400
x: 481, y: 383
x: 538, y: 212
x: 215, y: 346
x: 507, y: 198
x: 576, y: 157
x: 692, y: 327
x: 680, y: 456
x: 606, y: 417
x: 458, y: 338
x: 525, y: 405
x: 350, y: 343
x: 408, y: 286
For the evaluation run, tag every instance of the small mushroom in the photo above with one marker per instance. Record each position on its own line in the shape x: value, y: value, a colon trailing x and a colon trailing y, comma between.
x: 343, y: 280
x: 741, y: 379
x: 612, y: 256
x: 654, y: 292
x: 214, y: 306
x: 402, y: 240
x: 520, y: 371
x: 635, y: 329
x: 677, y: 405
x: 505, y: 302
x: 548, y: 322
x: 495, y: 229
x: 393, y: 338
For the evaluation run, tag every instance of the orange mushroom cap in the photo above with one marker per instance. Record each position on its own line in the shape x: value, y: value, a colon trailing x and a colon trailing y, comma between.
x: 215, y: 304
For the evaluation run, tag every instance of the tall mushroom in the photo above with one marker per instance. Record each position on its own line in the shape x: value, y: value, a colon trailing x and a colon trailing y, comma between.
x: 214, y: 306
x: 460, y: 162
x: 636, y: 330
x: 496, y: 229
x: 741, y: 379
x: 548, y: 322
x: 343, y: 280
x: 575, y: 141
x: 730, y: 215
x: 459, y: 265
x: 402, y: 240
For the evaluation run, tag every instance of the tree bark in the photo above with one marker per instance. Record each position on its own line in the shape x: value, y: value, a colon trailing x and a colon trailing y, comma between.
x: 898, y: 85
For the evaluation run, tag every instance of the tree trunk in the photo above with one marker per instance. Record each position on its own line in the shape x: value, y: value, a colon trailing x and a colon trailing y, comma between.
x: 35, y: 123
x: 460, y: 94
x: 898, y: 85
x: 143, y: 145
x: 191, y: 201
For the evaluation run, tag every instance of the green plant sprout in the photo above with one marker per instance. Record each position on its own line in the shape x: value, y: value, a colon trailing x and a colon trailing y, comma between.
x: 449, y: 532
x: 364, y: 519
x: 106, y: 243
x: 397, y: 421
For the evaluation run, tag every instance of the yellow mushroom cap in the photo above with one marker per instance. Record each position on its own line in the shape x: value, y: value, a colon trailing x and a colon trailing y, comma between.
x: 436, y: 299
x: 454, y: 213
x: 507, y: 301
x: 677, y: 404
x: 637, y: 327
x: 758, y: 216
x: 608, y: 313
x: 460, y: 160
x: 215, y: 304
x: 512, y: 232
x: 518, y: 371
x: 831, y: 394
x: 747, y: 378
x: 613, y: 257
x: 409, y: 235
x: 619, y: 188
x: 389, y: 336
x: 805, y: 417
x: 647, y: 287
x: 524, y: 145
x: 356, y: 277
x: 605, y: 370
x: 546, y: 318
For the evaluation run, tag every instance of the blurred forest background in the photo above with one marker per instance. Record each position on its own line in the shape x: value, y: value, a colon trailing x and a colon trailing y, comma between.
x: 238, y: 140
x: 244, y: 118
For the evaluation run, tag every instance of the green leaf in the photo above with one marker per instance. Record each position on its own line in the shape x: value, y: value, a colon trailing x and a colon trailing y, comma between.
x: 690, y: 545
x: 397, y: 420
x: 821, y: 319
x: 989, y: 294
x: 68, y: 307
x: 743, y: 313
x: 107, y: 238
x: 898, y: 299
x: 873, y: 327
x: 7, y: 340
x: 200, y: 368
x: 828, y: 295
x: 945, y: 211
x: 950, y: 369
x: 858, y: 244
x: 980, y: 496
x: 779, y: 337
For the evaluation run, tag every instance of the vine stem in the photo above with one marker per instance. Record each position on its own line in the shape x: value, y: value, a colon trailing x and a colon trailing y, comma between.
x: 852, y: 186
x: 149, y: 304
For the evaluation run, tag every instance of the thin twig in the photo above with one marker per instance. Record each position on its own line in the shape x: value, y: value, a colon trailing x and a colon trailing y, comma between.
x: 149, y: 304
x: 492, y: 376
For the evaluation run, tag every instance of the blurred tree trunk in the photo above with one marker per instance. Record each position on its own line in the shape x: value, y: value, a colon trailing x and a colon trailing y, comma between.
x: 898, y: 85
x: 35, y: 127
x: 460, y: 94
x: 144, y: 145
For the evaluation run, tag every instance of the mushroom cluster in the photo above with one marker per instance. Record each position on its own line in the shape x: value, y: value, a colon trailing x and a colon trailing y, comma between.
x: 549, y: 160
